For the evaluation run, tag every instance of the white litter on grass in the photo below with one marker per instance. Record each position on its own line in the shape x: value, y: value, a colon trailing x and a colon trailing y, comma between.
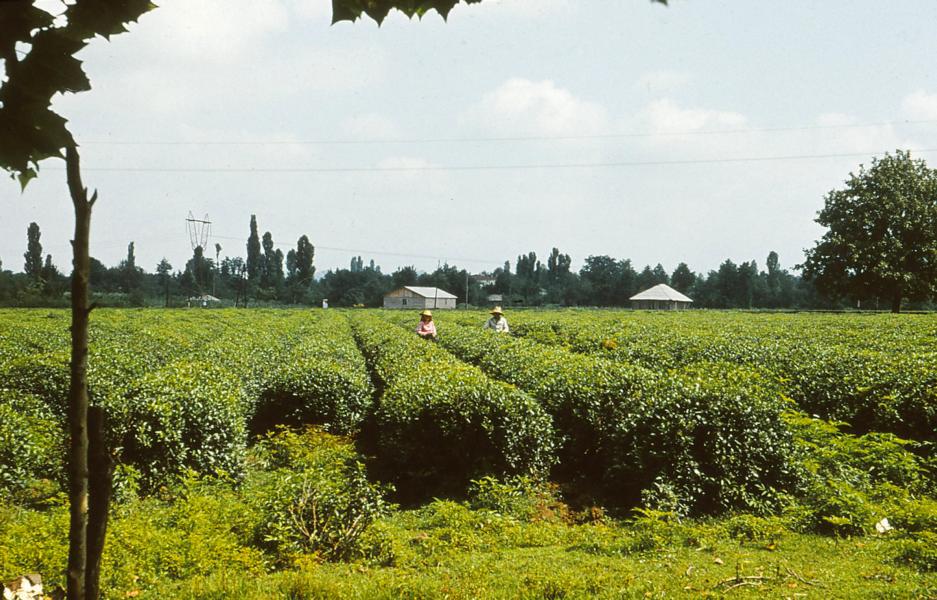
x: 883, y: 526
x: 28, y: 587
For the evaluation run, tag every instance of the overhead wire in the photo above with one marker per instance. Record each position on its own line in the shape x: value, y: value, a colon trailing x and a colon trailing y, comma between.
x: 377, y: 252
x: 519, y: 138
x: 501, y: 167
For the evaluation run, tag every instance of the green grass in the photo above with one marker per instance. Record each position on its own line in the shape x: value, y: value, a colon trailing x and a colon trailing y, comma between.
x: 197, y: 543
x: 448, y: 551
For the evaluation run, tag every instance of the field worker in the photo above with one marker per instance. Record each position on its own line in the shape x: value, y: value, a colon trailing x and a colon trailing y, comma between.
x: 426, y: 329
x: 497, y: 322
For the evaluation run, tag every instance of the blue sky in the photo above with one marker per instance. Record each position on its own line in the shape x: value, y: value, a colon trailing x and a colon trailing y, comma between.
x: 623, y: 128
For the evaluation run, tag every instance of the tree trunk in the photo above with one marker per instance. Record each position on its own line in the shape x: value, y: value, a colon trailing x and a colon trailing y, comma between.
x: 78, y: 388
x: 101, y: 477
x: 896, y: 300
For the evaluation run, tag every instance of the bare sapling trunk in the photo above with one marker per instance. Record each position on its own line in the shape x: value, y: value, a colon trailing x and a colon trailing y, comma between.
x: 100, y: 479
x: 79, y: 558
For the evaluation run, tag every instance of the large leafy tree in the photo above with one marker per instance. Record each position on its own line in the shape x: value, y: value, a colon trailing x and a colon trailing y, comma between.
x: 881, y: 238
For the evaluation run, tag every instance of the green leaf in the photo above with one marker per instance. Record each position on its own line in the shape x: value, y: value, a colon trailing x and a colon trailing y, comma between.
x: 25, y: 177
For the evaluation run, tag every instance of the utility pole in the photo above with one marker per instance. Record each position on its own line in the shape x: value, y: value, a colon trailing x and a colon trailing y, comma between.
x: 466, y: 289
x: 217, y: 270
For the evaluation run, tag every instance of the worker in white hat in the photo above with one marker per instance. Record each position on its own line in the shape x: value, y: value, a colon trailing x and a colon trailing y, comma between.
x: 426, y: 329
x: 497, y: 322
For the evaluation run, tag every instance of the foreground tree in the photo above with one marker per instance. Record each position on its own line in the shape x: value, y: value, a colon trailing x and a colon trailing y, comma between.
x: 882, y: 233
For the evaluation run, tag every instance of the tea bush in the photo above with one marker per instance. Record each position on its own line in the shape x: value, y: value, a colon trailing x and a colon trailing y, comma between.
x: 580, y: 392
x: 32, y: 443
x: 323, y: 381
x: 877, y: 373
x: 44, y: 376
x: 188, y: 415
x: 441, y: 423
x: 712, y: 434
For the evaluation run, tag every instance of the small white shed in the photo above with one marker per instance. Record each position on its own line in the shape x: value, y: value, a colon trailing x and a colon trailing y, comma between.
x: 660, y: 297
x: 412, y: 296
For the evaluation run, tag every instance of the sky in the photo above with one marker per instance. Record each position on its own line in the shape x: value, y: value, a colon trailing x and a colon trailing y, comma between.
x: 691, y: 133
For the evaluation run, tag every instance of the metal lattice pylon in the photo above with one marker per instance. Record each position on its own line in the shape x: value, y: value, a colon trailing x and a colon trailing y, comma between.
x: 199, y: 231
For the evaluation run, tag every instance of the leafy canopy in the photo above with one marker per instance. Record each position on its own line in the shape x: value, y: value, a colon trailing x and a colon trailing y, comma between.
x: 882, y: 232
x: 38, y: 52
x: 352, y: 10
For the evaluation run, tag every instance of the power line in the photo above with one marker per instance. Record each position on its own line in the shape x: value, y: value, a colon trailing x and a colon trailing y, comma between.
x: 529, y: 138
x: 378, y: 252
x: 506, y: 167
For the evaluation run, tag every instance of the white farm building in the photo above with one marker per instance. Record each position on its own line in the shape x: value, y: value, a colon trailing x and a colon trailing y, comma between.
x: 660, y: 297
x: 411, y: 296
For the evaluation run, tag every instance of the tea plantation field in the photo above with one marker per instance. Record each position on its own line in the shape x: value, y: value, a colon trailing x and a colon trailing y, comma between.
x: 320, y: 454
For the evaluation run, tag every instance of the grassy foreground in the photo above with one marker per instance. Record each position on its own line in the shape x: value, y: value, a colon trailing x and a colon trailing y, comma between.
x: 449, y: 551
x: 200, y: 542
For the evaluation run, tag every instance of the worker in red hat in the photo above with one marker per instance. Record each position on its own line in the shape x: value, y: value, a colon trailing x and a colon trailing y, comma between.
x: 426, y: 329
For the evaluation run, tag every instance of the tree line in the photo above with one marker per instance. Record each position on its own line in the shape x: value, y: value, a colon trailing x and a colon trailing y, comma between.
x: 268, y: 276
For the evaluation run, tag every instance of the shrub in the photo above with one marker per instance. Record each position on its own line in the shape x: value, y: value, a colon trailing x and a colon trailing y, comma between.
x: 520, y: 498
x: 715, y: 433
x: 202, y: 527
x: 834, y: 507
x: 323, y: 381
x: 862, y: 461
x: 313, y: 496
x: 441, y: 423
x: 756, y: 529
x: 188, y: 415
x: 915, y: 516
x: 580, y: 392
x: 653, y: 530
x: 32, y: 443
x: 34, y: 541
x: 710, y: 436
x: 45, y: 376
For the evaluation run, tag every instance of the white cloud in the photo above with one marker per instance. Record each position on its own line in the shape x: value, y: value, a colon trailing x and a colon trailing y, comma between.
x: 920, y: 105
x: 410, y: 175
x: 371, y: 126
x: 665, y: 116
x: 255, y: 86
x: 526, y: 8
x: 834, y: 119
x: 313, y: 10
x: 522, y: 106
x: 842, y: 132
x: 663, y: 81
x: 404, y: 162
x: 219, y: 31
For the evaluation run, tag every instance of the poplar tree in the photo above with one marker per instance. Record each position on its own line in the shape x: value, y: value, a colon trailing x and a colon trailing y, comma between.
x: 33, y: 255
